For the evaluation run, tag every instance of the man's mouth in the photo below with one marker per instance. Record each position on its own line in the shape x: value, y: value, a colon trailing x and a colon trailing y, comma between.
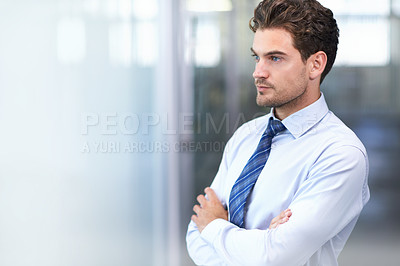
x: 262, y: 88
x: 262, y: 85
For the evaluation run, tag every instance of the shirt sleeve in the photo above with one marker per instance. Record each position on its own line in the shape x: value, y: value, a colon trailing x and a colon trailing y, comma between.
x: 201, y: 252
x: 332, y: 196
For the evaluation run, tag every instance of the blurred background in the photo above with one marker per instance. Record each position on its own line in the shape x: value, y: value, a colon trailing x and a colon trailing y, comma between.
x: 114, y: 115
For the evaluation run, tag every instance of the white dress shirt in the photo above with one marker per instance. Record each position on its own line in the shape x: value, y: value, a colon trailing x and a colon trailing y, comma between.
x: 317, y: 167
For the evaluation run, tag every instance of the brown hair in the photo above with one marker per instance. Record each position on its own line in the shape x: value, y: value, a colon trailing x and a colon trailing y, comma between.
x: 312, y: 26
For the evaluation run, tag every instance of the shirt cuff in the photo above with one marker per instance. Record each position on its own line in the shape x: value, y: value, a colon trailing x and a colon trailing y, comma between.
x: 213, y: 229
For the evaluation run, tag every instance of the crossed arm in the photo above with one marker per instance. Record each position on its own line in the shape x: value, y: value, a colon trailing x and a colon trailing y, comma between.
x: 211, y: 209
x: 328, y: 202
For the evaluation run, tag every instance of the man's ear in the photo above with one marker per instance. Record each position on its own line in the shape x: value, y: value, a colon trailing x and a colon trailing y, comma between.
x: 317, y: 63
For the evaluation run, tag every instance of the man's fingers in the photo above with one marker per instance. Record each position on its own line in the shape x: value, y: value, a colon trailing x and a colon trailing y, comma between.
x: 286, y: 213
x: 194, y: 218
x: 208, y: 209
x: 272, y: 226
x: 275, y: 224
x: 275, y: 221
x: 211, y: 194
x: 196, y: 208
x: 282, y: 218
x: 201, y: 199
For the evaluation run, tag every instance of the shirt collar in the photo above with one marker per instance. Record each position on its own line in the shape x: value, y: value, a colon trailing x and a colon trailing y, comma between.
x: 301, y: 121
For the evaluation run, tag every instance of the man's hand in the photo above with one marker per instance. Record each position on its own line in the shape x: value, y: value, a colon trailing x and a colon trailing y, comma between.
x: 282, y: 218
x: 208, y: 210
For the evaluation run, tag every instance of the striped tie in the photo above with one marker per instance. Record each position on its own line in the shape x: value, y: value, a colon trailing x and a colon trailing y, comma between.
x: 245, y: 183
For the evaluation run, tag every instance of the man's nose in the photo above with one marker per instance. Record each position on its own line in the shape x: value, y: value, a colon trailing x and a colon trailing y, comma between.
x: 260, y: 71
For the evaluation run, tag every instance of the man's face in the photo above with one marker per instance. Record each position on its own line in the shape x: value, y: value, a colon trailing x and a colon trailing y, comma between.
x: 281, y: 77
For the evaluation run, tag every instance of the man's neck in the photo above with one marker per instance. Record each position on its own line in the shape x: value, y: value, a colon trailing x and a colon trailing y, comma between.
x: 296, y: 105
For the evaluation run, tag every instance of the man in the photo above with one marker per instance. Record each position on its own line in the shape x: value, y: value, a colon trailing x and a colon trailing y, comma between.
x: 299, y: 157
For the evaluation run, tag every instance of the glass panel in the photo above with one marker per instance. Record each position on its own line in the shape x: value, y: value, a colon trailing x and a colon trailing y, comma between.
x: 71, y: 40
x: 363, y: 28
x: 208, y: 46
x: 362, y: 89
x: 82, y: 176
x: 363, y: 41
x: 357, y: 7
x: 396, y: 7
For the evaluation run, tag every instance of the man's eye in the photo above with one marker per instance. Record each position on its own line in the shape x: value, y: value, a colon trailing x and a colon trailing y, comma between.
x: 256, y: 57
x: 275, y: 58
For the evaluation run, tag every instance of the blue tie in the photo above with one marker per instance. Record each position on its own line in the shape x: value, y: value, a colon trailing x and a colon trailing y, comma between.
x: 245, y: 183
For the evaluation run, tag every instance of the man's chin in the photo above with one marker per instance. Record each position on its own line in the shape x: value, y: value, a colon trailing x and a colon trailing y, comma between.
x: 263, y: 102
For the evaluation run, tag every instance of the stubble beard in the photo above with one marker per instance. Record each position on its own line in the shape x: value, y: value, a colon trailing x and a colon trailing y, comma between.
x: 262, y: 99
x: 278, y: 98
x: 285, y: 100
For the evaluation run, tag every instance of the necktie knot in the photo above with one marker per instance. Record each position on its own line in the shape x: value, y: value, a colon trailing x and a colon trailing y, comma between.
x: 274, y: 127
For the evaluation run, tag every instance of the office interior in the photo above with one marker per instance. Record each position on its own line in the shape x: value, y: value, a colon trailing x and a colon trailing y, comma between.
x: 114, y: 115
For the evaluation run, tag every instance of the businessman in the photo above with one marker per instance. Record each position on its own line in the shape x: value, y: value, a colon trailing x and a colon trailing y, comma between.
x: 300, y: 157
